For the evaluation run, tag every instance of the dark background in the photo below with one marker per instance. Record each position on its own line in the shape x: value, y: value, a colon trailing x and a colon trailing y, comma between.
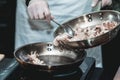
x: 7, y: 26
x: 110, y: 51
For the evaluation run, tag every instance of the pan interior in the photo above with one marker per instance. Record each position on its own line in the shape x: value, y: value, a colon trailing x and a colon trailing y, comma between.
x: 56, y: 59
x: 53, y: 60
x: 53, y: 57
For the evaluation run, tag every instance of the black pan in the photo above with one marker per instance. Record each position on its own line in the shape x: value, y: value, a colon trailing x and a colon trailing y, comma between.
x: 55, y: 59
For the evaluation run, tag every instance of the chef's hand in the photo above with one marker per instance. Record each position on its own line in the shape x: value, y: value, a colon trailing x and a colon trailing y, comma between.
x: 104, y: 3
x: 39, y: 9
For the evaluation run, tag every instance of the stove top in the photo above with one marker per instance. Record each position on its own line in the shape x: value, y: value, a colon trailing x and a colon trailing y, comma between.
x: 86, y: 71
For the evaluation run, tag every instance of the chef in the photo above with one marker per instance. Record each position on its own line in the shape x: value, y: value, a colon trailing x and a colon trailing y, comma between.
x: 44, y: 11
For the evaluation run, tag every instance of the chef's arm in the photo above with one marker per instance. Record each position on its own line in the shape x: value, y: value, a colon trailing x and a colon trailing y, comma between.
x: 104, y: 2
x: 117, y: 75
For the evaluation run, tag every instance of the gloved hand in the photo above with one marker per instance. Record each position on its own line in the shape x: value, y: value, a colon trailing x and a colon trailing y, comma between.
x: 104, y: 3
x: 39, y: 9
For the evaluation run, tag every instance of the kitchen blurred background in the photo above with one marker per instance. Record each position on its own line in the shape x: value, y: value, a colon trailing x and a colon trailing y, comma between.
x: 111, y: 51
x: 7, y: 26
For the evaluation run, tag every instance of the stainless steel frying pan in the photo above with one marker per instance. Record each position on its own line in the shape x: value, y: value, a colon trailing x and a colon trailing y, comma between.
x: 92, y: 19
x: 54, y: 58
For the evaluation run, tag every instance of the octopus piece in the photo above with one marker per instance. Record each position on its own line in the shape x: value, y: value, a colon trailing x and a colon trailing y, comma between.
x: 33, y: 57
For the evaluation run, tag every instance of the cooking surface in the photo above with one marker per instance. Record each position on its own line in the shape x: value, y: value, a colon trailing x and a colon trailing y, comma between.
x: 86, y: 71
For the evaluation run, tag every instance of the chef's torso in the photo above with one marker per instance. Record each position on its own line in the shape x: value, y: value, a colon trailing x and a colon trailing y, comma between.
x: 62, y: 10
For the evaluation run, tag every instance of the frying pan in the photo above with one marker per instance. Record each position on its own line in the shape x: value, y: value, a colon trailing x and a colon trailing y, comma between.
x: 55, y: 59
x: 92, y: 19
